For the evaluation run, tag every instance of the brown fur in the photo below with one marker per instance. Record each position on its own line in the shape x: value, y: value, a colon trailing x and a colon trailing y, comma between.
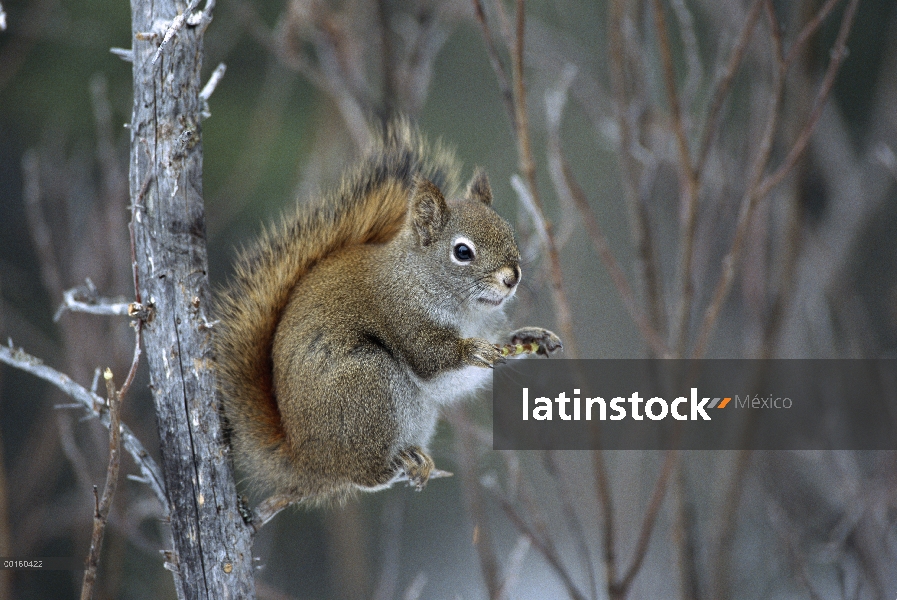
x: 349, y: 324
x: 369, y: 206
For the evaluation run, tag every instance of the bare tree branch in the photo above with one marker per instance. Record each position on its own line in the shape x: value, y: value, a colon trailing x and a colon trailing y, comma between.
x: 759, y: 187
x: 647, y: 268
x: 644, y: 539
x: 86, y: 299
x: 94, y: 405
x: 211, y: 558
x: 689, y: 184
x: 105, y: 502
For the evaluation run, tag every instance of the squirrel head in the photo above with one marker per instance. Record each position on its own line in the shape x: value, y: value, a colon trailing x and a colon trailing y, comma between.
x: 461, y: 248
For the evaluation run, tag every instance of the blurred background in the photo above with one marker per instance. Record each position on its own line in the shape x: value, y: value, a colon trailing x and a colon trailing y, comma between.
x: 718, y: 179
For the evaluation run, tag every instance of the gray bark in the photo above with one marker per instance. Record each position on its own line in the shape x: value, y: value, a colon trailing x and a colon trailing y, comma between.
x: 212, y: 545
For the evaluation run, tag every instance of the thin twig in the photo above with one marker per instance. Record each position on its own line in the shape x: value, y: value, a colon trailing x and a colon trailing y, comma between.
x: 40, y: 231
x: 724, y: 85
x: 529, y: 205
x: 476, y: 506
x: 501, y: 75
x: 787, y: 536
x: 787, y: 279
x: 209, y: 89
x: 750, y: 200
x: 647, y: 268
x: 602, y: 248
x: 85, y: 298
x: 524, y: 148
x: 809, y: 29
x: 528, y: 168
x: 214, y: 79
x: 606, y: 506
x: 91, y: 402
x: 688, y: 184
x: 515, y: 565
x: 689, y: 574
x: 544, y: 547
x: 520, y: 126
x: 102, y: 508
x: 695, y: 73
x: 135, y: 361
x: 758, y: 187
x: 126, y: 54
x: 574, y: 523
x: 270, y: 41
x: 568, y: 188
x: 839, y: 53
x: 644, y: 538
x: 722, y: 557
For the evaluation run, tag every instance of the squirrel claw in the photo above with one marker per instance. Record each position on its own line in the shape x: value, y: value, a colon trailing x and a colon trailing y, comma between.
x: 417, y: 465
x: 547, y: 341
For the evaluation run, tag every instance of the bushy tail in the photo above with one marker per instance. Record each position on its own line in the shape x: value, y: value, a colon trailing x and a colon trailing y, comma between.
x: 368, y: 206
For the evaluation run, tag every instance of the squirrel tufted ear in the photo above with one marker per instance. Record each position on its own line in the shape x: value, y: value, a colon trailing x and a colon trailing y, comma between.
x: 429, y: 211
x: 479, y: 188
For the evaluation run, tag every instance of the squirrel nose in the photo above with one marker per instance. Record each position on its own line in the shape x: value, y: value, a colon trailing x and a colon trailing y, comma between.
x: 510, y: 276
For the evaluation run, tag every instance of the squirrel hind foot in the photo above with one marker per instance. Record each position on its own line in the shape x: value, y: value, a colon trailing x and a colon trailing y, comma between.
x: 416, y: 465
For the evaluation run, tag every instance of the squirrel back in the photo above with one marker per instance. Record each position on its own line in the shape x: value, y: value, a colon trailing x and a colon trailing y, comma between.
x: 368, y: 207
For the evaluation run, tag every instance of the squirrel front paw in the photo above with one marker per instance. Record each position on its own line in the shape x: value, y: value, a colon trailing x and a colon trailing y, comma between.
x: 546, y: 341
x: 478, y: 352
x: 416, y: 464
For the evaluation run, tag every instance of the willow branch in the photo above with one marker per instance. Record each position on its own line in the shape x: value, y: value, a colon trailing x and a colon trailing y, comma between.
x: 644, y: 538
x: 759, y: 186
x: 501, y: 74
x: 105, y: 502
x: 94, y: 405
x: 546, y: 548
x: 724, y: 85
x: 688, y: 183
x: 647, y: 268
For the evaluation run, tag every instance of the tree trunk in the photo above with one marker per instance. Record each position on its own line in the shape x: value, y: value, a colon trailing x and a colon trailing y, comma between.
x: 212, y: 546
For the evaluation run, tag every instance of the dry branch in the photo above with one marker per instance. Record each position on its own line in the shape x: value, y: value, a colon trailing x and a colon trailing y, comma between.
x: 566, y: 186
x: 104, y: 503
x: 152, y: 476
x: 211, y: 558
x: 647, y: 268
x: 689, y: 185
x: 760, y: 187
x: 86, y: 299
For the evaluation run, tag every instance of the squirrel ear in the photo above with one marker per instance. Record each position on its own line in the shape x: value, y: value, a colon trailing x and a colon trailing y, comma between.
x: 429, y: 211
x: 479, y: 188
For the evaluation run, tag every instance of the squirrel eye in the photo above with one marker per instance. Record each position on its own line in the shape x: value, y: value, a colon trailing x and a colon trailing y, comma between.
x: 463, y: 252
